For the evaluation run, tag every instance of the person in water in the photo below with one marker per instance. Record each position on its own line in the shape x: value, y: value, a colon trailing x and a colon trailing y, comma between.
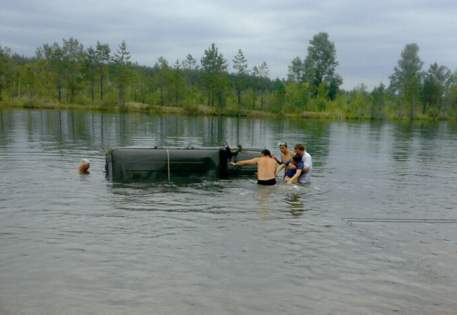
x: 266, y: 167
x: 303, y: 173
x: 292, y: 167
x: 84, y: 166
x: 286, y: 157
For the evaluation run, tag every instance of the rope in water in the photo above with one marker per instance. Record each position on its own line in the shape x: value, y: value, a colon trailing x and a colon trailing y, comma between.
x: 400, y: 220
x: 168, y: 165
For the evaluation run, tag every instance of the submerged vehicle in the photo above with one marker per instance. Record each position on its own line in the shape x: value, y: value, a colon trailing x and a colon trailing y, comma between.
x: 167, y: 163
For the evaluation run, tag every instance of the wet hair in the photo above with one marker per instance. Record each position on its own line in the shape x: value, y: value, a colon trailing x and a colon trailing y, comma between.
x: 300, y: 147
x: 266, y: 152
x: 296, y: 158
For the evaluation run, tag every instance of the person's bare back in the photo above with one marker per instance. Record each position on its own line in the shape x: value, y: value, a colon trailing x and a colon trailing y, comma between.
x: 266, y: 168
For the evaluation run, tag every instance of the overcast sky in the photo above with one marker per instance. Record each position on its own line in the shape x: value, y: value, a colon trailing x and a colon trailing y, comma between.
x: 368, y: 35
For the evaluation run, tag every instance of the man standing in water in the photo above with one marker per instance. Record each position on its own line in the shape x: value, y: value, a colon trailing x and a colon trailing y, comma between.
x: 286, y: 157
x: 266, y: 168
x: 303, y: 174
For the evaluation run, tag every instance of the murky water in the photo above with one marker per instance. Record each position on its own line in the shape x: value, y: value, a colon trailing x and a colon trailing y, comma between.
x: 375, y: 232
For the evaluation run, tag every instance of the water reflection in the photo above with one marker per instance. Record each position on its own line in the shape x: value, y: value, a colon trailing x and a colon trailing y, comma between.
x: 263, y: 196
x: 103, y: 130
x: 282, y: 249
x: 402, y: 141
x: 295, y: 203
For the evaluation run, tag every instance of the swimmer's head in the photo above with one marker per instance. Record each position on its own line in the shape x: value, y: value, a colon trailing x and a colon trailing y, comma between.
x: 84, y: 166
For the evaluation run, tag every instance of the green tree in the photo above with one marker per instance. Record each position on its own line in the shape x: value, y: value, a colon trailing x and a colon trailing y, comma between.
x: 297, y: 96
x: 37, y: 80
x: 122, y: 70
x: 140, y: 83
x: 6, y: 69
x: 52, y: 55
x: 163, y: 79
x: 90, y: 70
x: 334, y: 86
x: 359, y: 103
x: 378, y: 96
x: 178, y: 83
x: 451, y: 94
x: 214, y: 69
x: 320, y: 65
x: 190, y: 70
x: 279, y: 95
x: 28, y: 79
x: 296, y: 69
x: 261, y: 72
x: 406, y: 79
x: 240, y: 65
x: 436, y: 81
x: 189, y: 63
x: 73, y: 57
x: 103, y: 52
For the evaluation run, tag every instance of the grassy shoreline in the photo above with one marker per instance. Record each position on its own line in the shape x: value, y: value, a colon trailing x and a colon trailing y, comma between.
x: 156, y: 109
x: 200, y: 110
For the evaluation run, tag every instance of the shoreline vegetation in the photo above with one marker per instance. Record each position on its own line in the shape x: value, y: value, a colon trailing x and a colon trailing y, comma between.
x: 69, y: 76
x: 201, y: 110
x: 133, y: 107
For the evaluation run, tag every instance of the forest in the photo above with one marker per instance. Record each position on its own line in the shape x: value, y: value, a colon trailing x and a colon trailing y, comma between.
x: 102, y: 77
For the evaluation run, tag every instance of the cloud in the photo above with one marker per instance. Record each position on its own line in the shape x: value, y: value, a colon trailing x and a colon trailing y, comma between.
x: 368, y: 35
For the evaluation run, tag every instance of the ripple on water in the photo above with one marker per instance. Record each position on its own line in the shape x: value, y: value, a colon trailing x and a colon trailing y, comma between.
x: 372, y: 234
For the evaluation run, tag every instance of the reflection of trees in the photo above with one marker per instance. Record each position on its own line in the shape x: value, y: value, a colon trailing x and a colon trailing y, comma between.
x: 429, y: 131
x: 7, y: 122
x: 404, y: 134
x: 450, y: 127
x: 375, y: 129
x: 295, y: 203
x: 100, y: 130
x: 214, y: 135
x: 402, y: 139
x: 263, y: 196
x: 123, y: 129
x: 414, y: 146
x: 315, y: 134
x: 30, y: 125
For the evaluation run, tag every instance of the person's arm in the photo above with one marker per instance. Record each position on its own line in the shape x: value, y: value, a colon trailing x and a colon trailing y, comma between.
x: 277, y: 160
x: 247, y: 162
x: 279, y: 168
x: 307, y: 165
x: 295, y: 178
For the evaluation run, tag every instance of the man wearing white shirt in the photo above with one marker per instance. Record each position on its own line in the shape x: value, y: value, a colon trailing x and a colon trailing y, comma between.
x: 303, y: 174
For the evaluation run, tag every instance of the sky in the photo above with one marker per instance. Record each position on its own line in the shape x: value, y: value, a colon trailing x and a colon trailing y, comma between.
x: 368, y: 35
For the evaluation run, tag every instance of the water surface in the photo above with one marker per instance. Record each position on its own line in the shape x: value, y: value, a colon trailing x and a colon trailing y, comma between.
x: 374, y: 233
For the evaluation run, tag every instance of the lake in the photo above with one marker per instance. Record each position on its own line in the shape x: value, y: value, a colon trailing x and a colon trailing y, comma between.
x: 374, y: 233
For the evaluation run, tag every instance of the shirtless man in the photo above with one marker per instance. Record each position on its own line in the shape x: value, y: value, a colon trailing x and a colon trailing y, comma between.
x: 266, y: 168
x: 286, y: 157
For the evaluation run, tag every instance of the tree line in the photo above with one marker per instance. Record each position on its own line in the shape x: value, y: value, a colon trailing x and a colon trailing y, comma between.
x: 69, y: 73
